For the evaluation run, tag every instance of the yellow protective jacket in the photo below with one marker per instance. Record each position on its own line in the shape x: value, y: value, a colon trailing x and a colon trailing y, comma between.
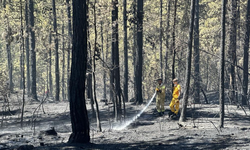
x: 176, y: 90
x: 160, y: 96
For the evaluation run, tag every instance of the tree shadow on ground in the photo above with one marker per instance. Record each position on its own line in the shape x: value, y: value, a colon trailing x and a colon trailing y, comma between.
x: 181, y: 142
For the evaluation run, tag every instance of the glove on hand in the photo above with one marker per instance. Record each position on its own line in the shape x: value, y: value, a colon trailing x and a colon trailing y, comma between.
x: 158, y: 90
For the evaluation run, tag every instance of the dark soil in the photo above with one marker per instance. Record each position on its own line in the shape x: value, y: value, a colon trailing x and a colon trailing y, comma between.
x: 149, y: 131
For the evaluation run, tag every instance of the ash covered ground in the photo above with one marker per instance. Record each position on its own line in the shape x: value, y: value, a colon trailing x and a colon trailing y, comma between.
x: 149, y: 131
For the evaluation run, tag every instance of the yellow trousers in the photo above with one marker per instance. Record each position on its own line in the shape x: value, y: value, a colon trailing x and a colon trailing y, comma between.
x: 174, y: 105
x: 160, y: 105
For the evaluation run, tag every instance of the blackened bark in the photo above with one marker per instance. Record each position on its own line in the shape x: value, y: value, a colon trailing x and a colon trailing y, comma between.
x: 115, y: 60
x: 161, y: 32
x: 125, y: 84
x: 50, y: 65
x: 246, y: 55
x: 222, y: 62
x: 78, y: 110
x: 173, y: 41
x: 9, y: 39
x: 188, y: 62
x: 89, y: 67
x: 10, y: 66
x: 139, y: 61
x: 63, y: 64
x: 95, y: 56
x: 69, y: 43
x: 167, y: 41
x: 21, y: 68
x: 22, y: 62
x: 21, y: 46
x: 112, y: 89
x: 33, y: 50
x: 197, y: 78
x: 106, y: 58
x: 103, y: 58
x: 232, y: 48
x: 134, y: 43
x: 27, y: 46
x: 56, y: 51
x: 4, y: 3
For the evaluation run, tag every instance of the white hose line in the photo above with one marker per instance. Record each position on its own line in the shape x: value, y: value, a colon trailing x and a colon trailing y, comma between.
x: 121, y: 127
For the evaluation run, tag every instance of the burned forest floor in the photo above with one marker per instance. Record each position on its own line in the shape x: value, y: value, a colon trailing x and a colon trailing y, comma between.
x: 149, y: 131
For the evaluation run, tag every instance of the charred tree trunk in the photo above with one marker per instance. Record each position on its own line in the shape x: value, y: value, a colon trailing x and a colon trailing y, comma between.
x: 50, y: 65
x: 134, y: 43
x: 246, y: 55
x: 21, y: 46
x: 103, y: 58
x: 21, y: 68
x: 90, y: 68
x: 8, y: 38
x: 95, y: 57
x: 112, y: 90
x: 106, y: 58
x: 78, y: 110
x: 23, y: 61
x: 161, y: 32
x: 33, y: 51
x: 63, y: 63
x: 167, y: 41
x: 232, y: 49
x: 115, y: 60
x: 139, y: 61
x: 173, y: 42
x: 56, y: 51
x: 197, y: 78
x: 10, y: 66
x: 69, y: 44
x: 188, y: 62
x: 27, y: 46
x: 126, y: 73
x: 222, y: 62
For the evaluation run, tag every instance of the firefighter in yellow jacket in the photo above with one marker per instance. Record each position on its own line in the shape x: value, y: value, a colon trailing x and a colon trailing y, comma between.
x: 160, y: 97
x: 174, y: 105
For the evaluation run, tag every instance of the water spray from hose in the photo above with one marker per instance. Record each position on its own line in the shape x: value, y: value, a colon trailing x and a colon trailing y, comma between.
x: 123, y: 126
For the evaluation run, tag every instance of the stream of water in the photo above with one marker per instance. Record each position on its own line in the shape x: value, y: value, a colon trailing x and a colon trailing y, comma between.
x: 127, y: 123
